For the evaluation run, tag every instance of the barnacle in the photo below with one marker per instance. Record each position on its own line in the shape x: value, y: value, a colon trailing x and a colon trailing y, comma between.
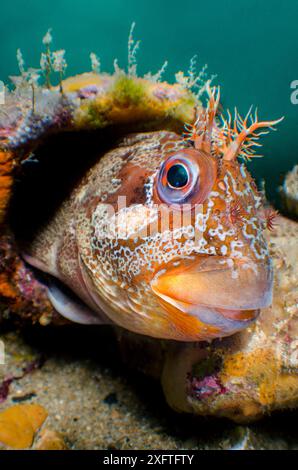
x: 234, y: 213
x: 270, y: 218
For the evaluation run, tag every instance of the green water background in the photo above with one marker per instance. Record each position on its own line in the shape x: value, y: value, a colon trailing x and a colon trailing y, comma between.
x: 252, y: 46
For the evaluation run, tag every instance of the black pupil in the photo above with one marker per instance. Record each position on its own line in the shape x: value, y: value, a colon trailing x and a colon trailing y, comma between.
x: 177, y: 176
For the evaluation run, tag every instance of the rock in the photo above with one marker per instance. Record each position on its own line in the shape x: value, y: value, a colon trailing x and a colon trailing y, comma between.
x: 289, y: 193
x: 50, y: 440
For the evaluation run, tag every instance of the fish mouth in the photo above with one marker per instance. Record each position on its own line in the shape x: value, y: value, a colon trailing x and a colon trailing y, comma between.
x: 221, y: 292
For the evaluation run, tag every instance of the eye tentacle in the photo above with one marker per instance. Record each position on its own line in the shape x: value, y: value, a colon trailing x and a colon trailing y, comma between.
x: 245, y: 135
x: 226, y: 137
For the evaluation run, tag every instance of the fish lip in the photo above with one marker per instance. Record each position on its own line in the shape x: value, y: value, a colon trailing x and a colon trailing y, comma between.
x: 208, y: 290
x: 227, y: 325
x: 213, y: 317
x: 197, y: 309
x: 250, y: 290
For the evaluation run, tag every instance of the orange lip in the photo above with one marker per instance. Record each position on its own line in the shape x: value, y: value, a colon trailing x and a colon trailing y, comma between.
x: 219, y: 291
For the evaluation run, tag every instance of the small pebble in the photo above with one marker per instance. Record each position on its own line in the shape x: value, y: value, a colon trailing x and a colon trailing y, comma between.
x: 50, y: 440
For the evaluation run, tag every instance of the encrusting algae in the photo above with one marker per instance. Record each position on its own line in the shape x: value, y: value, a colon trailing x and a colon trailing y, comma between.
x: 19, y: 424
x: 101, y: 137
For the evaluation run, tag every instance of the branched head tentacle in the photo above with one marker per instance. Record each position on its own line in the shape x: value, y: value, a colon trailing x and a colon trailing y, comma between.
x: 226, y: 137
x: 201, y: 132
x: 243, y: 135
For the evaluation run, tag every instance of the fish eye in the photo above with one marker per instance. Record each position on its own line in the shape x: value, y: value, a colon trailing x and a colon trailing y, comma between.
x: 177, y: 176
x: 185, y: 177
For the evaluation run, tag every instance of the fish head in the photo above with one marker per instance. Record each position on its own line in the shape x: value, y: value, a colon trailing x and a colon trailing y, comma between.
x: 176, y: 249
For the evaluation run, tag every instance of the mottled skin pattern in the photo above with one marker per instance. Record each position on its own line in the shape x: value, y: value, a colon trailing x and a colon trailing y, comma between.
x: 203, y: 278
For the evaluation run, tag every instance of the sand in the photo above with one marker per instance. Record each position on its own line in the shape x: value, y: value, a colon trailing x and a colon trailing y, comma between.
x: 95, y: 402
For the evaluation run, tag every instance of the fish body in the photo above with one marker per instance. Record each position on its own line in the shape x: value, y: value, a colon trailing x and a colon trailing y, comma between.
x: 162, y: 236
